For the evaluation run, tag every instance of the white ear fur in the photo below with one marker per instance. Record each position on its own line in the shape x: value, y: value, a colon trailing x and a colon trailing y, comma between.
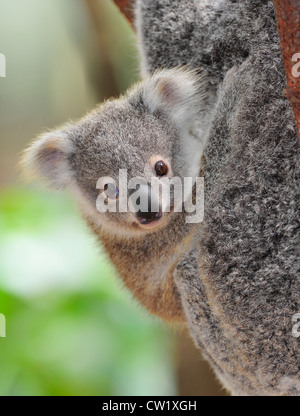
x: 180, y: 94
x: 48, y: 159
x: 177, y: 92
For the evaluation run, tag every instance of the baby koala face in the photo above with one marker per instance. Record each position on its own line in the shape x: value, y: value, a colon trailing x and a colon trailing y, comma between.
x: 123, y: 160
x: 120, y: 151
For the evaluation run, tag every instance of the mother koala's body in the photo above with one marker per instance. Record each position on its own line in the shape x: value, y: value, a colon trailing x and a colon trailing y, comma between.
x: 240, y: 286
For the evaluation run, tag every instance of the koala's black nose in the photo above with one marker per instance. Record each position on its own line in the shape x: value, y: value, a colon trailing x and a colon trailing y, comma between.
x: 148, y: 217
x: 146, y: 205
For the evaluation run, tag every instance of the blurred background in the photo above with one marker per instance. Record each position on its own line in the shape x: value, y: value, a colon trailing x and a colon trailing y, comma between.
x: 72, y: 329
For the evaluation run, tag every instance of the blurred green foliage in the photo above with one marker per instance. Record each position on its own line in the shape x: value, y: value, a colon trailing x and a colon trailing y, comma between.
x: 70, y: 329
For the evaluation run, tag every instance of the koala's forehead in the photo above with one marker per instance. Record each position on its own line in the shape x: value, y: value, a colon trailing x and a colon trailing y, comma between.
x: 120, y: 138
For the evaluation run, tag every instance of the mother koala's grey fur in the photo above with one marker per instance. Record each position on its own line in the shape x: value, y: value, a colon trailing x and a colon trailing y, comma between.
x: 240, y: 286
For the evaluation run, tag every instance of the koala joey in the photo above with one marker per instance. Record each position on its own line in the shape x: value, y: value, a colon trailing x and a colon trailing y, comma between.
x: 153, y: 131
x: 235, y: 277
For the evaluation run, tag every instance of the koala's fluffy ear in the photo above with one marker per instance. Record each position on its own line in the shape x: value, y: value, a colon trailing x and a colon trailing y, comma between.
x: 179, y: 93
x: 48, y: 158
x: 175, y: 91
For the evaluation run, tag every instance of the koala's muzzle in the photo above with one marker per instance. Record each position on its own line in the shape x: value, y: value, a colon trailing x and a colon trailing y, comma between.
x: 146, y: 205
x: 148, y: 217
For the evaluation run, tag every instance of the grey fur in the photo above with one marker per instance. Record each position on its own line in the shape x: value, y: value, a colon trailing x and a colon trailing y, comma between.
x: 240, y: 309
x: 237, y: 275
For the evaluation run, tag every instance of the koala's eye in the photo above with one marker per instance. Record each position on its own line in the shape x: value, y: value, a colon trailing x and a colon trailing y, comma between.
x: 111, y: 191
x: 161, y: 168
